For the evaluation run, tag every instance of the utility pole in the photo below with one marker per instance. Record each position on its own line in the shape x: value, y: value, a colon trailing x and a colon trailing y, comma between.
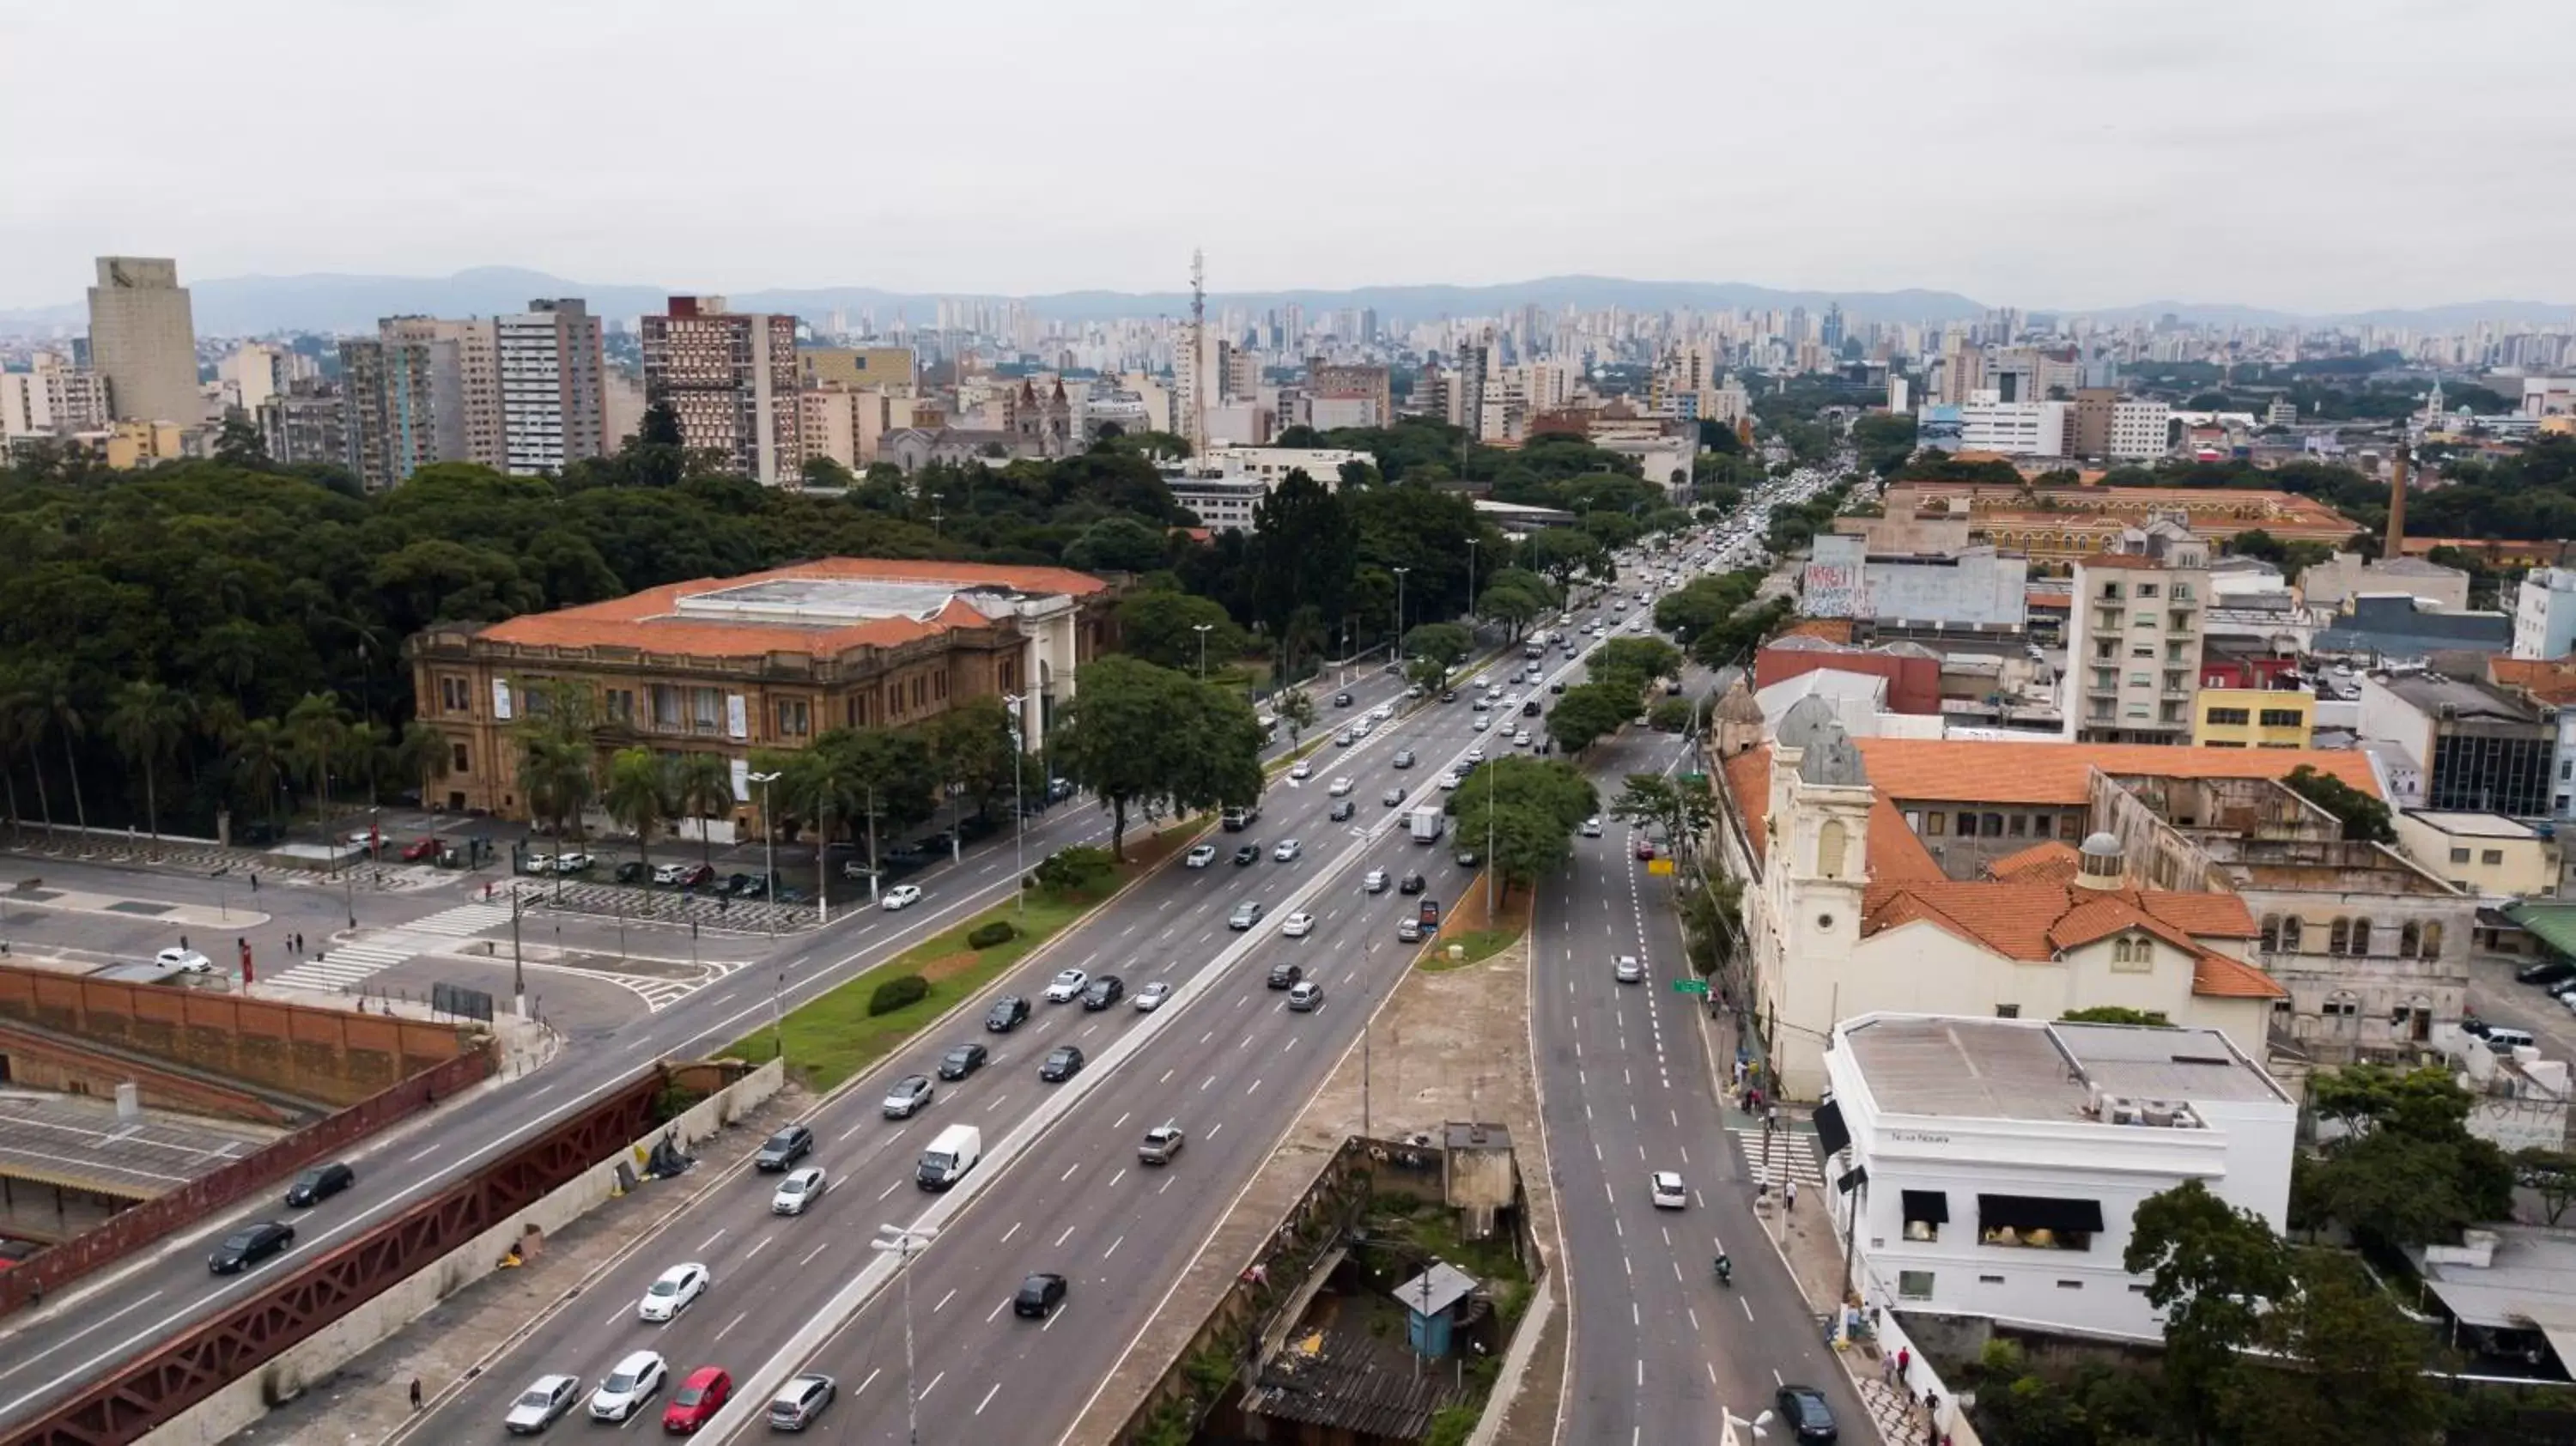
x: 1202, y: 629
x: 1019, y: 811
x: 902, y: 1242
x: 1395, y: 654
x: 768, y: 848
x: 518, y: 962
x: 1471, y: 585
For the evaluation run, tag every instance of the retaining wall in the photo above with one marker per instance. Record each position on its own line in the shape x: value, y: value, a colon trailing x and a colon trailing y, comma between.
x: 315, y: 1359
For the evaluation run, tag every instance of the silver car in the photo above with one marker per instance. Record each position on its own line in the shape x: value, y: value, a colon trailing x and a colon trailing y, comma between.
x: 800, y: 1401
x: 546, y: 1399
x: 1629, y: 971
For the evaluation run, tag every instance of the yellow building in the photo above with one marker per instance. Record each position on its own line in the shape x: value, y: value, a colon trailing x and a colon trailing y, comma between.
x: 138, y: 444
x: 2485, y: 854
x: 2254, y: 718
x: 858, y: 366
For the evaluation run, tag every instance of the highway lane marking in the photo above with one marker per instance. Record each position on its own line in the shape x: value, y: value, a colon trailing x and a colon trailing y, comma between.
x: 996, y: 1104
x: 1122, y: 1121
x: 712, y: 1239
x: 1712, y: 1371
x: 1748, y: 1315
x: 729, y: 1325
x: 1061, y: 1239
x: 924, y: 1393
x: 1014, y: 1230
x: 1596, y: 1151
x: 1693, y: 1313
x: 1776, y: 1378
x: 888, y: 1190
x: 944, y: 1300
x: 988, y: 1398
x: 1211, y: 1134
x: 997, y: 1311
x: 1291, y: 1044
x: 810, y: 1254
x: 1056, y: 1315
x: 423, y: 1153
x: 617, y: 1315
x: 1256, y: 1084
x: 1204, y: 1038
x: 1246, y: 1044
x: 1167, y: 1076
x: 756, y: 1249
x: 1203, y: 1084
x: 1677, y: 1271
x: 1641, y: 1372
x: 1114, y: 1179
x: 1113, y: 1247
x: 852, y: 1130
x: 871, y: 1380
x: 1068, y: 1172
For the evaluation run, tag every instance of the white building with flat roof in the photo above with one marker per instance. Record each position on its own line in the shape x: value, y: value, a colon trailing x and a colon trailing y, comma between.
x: 2001, y: 1161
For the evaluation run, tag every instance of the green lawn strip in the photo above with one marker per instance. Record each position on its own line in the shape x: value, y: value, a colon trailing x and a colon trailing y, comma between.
x: 833, y: 1038
x: 1479, y: 945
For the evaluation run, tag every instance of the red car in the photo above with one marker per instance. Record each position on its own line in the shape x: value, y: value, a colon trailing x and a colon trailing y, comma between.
x: 418, y: 849
x: 697, y: 1401
x: 1645, y: 848
x: 696, y: 875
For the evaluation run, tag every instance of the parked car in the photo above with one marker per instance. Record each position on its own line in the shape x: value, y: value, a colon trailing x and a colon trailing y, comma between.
x: 630, y: 872
x: 2548, y: 971
x: 573, y: 863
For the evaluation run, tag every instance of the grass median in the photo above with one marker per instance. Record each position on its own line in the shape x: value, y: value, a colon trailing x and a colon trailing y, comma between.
x: 834, y: 1037
x: 1476, y: 936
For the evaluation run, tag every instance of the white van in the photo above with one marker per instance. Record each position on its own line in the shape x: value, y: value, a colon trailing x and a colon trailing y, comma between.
x: 2506, y: 1041
x: 951, y: 1154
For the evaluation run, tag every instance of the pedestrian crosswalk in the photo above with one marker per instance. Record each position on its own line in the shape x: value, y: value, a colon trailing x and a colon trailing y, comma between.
x: 1792, y: 1155
x: 348, y: 965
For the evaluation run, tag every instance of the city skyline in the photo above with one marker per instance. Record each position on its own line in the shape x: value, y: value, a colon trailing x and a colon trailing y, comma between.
x: 2312, y: 159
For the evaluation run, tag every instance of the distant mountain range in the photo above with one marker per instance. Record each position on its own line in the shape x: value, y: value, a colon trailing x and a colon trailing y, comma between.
x: 258, y: 305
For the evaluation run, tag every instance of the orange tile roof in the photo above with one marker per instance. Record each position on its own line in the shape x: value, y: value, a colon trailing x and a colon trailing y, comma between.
x: 1832, y: 630
x: 2548, y: 680
x: 648, y: 619
x: 1748, y: 782
x: 2042, y: 863
x: 2218, y: 976
x: 1895, y: 854
x: 1979, y: 771
x: 2038, y: 922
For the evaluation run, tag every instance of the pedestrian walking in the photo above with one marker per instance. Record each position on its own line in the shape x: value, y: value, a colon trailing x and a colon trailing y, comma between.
x: 254, y: 883
x: 415, y: 1393
x: 1887, y: 1370
x: 1788, y: 1194
x: 183, y: 941
x: 1904, y: 1365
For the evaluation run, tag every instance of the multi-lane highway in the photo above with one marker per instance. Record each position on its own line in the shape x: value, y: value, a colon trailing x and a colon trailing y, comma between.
x: 46, y: 1353
x: 1060, y: 1188
x: 1626, y: 1091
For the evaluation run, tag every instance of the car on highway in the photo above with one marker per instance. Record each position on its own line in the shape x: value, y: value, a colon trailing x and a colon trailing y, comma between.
x: 1343, y: 808
x: 1066, y: 986
x: 800, y: 1189
x: 962, y: 1060
x: 1521, y: 738
x: 1341, y: 700
x: 1450, y: 780
x: 1061, y: 1063
x: 901, y: 896
x: 1669, y: 1191
x: 1476, y: 755
x: 1479, y: 705
x: 1284, y: 974
x: 1412, y: 884
x: 1151, y: 997
x: 1247, y: 855
x: 1200, y: 857
x: 1392, y: 798
x: 1102, y: 992
x: 674, y: 1291
x: 1408, y: 930
x: 1345, y: 738
x: 1288, y: 851
x: 1480, y: 723
x: 1374, y: 881
x: 1645, y: 847
x: 791, y: 1144
x: 1803, y: 1410
x: 1340, y: 787
x: 1161, y: 1143
x: 634, y: 1380
x: 905, y: 1097
x: 1007, y: 1014
x: 541, y: 1404
x: 1297, y: 925
x: 250, y: 1245
x: 699, y: 1398
x: 1466, y: 858
x: 1592, y: 826
x: 319, y: 1183
x: 800, y: 1401
x: 1245, y: 915
x: 1628, y: 970
x: 1305, y: 996
x: 186, y: 961
x: 1301, y: 770
x: 1039, y: 1295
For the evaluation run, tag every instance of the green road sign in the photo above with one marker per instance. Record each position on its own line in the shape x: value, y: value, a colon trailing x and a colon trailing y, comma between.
x: 1690, y: 986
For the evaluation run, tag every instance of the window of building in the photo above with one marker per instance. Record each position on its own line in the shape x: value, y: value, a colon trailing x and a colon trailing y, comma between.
x: 2490, y: 856
x: 2070, y: 1285
x: 2283, y: 718
x: 2111, y: 592
x: 1936, y: 823
x: 2007, y: 1011
x: 795, y: 718
x: 458, y: 760
x: 1967, y: 824
x: 1926, y: 1211
x: 454, y: 695
x: 2146, y: 589
x: 706, y: 710
x: 2228, y: 717
x: 2142, y: 680
x: 2293, y: 934
x: 2432, y: 942
x: 2038, y: 1222
x: 2271, y: 932
x: 2459, y: 856
x: 621, y: 706
x: 1990, y: 1280
x: 2410, y: 940
x: 2143, y: 650
x: 1993, y: 825
x: 2361, y: 936
x: 1914, y: 1284
x: 2131, y: 955
x: 2138, y: 710
x: 2339, y: 937
x: 2015, y: 825
x: 666, y: 706
x: 2068, y: 826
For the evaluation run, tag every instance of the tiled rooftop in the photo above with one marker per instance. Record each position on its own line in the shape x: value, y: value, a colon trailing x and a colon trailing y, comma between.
x: 1980, y: 771
x: 2003, y: 1069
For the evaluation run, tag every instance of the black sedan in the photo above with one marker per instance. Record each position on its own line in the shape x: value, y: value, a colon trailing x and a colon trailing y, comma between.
x: 1804, y: 1412
x: 1247, y: 855
x: 1039, y: 1295
x: 962, y: 1061
x: 1061, y: 1063
x: 250, y: 1245
x: 318, y: 1184
x: 1412, y: 884
x: 1008, y: 1013
x: 783, y: 1149
x: 1104, y: 991
x: 2550, y: 971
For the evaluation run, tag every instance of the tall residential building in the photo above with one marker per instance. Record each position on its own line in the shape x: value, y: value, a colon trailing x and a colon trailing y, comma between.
x: 2139, y: 431
x: 308, y: 422
x: 55, y: 399
x: 143, y: 339
x: 405, y: 402
x: 2544, y: 614
x: 730, y: 377
x: 2133, y: 639
x: 250, y: 376
x: 2089, y: 432
x: 552, y: 399
x: 1347, y: 394
x: 1467, y: 387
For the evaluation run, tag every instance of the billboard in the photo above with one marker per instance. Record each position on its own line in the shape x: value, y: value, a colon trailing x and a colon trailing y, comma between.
x: 1940, y: 426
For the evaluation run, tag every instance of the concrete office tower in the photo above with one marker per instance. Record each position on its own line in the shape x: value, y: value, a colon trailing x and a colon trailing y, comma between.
x: 143, y: 339
x: 730, y: 377
x: 553, y: 401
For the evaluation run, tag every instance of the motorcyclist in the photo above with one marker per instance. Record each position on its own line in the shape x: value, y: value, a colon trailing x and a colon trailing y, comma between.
x: 1725, y: 1268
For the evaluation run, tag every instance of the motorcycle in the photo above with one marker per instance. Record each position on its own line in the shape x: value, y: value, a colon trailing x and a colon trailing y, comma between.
x: 1725, y: 1271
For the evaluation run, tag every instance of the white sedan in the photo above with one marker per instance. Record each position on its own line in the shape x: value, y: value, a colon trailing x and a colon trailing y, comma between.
x: 1301, y: 770
x: 673, y: 1293
x: 1297, y: 925
x: 901, y: 896
x: 1628, y: 970
x: 1670, y: 1192
x: 1341, y: 787
x: 186, y: 961
x: 800, y: 1189
x: 1066, y: 986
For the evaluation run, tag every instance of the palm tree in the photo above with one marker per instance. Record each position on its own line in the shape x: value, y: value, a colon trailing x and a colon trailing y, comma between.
x: 261, y: 758
x: 147, y: 722
x: 702, y: 788
x: 422, y: 756
x: 317, y: 736
x: 638, y: 795
x: 824, y: 783
x: 555, y: 774
x: 62, y: 710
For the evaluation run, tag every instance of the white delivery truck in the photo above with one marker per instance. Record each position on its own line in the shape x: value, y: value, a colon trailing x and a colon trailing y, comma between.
x: 952, y: 1153
x: 1428, y: 823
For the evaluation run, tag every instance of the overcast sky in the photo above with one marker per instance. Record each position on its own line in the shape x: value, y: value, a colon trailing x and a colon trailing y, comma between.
x: 2068, y: 153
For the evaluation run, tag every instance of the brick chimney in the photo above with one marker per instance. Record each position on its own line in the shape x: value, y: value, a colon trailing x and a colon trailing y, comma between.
x: 2396, y: 544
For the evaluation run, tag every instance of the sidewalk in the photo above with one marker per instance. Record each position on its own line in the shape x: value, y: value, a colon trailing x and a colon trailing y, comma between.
x: 212, y: 919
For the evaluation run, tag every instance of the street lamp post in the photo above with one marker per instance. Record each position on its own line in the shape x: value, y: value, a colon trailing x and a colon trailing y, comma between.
x: 518, y: 962
x: 1396, y: 653
x: 903, y: 1241
x: 1019, y: 811
x: 768, y: 847
x: 1202, y: 629
x: 1471, y: 583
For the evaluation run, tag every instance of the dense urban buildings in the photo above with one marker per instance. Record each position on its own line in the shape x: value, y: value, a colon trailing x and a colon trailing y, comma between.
x: 730, y: 379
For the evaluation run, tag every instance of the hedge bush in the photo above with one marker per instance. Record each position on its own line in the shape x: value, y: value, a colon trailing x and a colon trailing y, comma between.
x: 895, y: 993
x: 985, y: 936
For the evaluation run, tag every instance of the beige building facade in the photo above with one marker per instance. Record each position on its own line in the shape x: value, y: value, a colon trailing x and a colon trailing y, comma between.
x: 143, y: 340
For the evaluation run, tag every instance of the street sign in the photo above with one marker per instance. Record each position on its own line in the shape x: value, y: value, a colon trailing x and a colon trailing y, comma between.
x: 1690, y: 986
x: 1659, y: 866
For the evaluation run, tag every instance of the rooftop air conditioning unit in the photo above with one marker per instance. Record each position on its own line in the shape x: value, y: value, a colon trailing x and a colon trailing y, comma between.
x: 2157, y: 1113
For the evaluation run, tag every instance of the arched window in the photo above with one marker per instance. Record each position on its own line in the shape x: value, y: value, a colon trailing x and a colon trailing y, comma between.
x: 2271, y: 933
x: 2339, y: 937
x: 2410, y: 940
x: 1832, y: 843
x: 2432, y: 942
x: 2291, y: 935
x: 2361, y: 936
